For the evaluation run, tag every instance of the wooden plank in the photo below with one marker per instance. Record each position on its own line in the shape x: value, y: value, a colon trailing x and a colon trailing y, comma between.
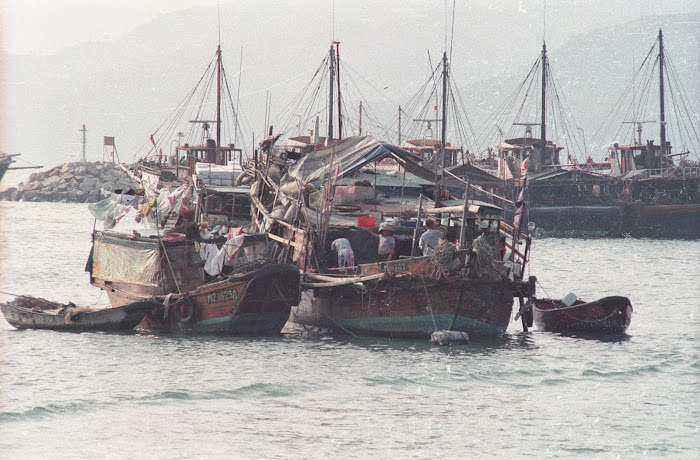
x: 285, y: 242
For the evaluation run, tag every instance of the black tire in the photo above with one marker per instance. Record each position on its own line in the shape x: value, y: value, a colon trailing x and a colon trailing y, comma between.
x: 184, y: 310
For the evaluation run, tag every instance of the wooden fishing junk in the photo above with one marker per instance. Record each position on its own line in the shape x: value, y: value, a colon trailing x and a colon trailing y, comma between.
x: 661, y: 192
x: 463, y: 287
x: 183, y: 245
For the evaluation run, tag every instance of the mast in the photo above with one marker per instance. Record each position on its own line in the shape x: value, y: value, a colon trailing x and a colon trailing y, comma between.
x: 337, y: 73
x: 438, y: 173
x: 662, y: 119
x: 399, y: 125
x: 330, y: 95
x: 218, y: 99
x: 360, y: 118
x: 543, y: 125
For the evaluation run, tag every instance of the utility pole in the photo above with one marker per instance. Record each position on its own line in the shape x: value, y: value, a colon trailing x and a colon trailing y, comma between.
x: 83, y: 131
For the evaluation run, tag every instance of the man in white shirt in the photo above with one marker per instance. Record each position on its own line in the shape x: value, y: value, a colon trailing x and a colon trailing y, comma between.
x: 430, y: 239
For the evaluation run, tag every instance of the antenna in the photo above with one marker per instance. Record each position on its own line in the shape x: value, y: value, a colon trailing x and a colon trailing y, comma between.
x: 452, y: 33
x: 639, y: 127
x: 544, y: 21
x: 218, y: 13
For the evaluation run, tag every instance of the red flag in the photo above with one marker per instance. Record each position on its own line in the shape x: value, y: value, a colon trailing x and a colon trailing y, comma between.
x: 153, y: 141
x: 525, y: 166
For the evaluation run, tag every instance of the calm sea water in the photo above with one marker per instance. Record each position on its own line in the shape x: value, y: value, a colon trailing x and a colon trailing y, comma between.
x: 534, y: 395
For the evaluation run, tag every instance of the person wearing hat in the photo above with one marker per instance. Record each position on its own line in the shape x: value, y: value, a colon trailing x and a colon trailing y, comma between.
x: 386, y: 246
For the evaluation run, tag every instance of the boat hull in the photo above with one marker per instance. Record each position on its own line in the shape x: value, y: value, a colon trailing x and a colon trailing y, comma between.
x: 662, y: 221
x: 410, y: 308
x: 257, y: 303
x: 576, y: 221
x: 610, y: 315
x: 120, y: 318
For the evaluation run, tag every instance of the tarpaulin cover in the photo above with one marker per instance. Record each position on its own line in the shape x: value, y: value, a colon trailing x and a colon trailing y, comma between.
x: 137, y: 264
x: 349, y: 155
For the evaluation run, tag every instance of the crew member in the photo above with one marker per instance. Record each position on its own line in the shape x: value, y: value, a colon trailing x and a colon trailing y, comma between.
x: 346, y: 258
x: 430, y: 239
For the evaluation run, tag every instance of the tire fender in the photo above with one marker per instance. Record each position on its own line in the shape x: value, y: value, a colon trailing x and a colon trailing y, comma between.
x: 184, y: 310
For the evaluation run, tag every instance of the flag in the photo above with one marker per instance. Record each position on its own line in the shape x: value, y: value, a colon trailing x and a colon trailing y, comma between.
x: 525, y: 166
x: 153, y: 141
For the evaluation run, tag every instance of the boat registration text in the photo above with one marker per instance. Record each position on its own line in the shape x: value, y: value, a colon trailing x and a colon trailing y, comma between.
x: 221, y: 296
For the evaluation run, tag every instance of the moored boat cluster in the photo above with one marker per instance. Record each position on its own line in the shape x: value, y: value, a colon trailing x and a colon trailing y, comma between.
x: 354, y: 235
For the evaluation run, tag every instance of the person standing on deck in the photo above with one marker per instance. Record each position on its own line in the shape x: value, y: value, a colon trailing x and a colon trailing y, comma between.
x: 346, y: 257
x: 386, y: 247
x: 430, y: 239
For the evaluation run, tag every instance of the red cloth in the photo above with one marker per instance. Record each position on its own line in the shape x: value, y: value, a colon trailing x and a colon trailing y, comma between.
x: 187, y: 213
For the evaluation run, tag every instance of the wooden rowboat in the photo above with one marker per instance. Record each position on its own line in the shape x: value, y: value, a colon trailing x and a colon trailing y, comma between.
x: 611, y: 315
x: 26, y: 312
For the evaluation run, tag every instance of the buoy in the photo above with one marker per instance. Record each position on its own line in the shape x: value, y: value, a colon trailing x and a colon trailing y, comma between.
x: 447, y: 337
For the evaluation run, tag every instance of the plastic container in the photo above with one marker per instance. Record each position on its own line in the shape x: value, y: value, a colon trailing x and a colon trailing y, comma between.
x: 367, y: 221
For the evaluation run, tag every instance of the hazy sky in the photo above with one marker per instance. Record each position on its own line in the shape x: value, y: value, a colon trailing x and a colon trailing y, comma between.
x: 118, y: 88
x: 46, y: 26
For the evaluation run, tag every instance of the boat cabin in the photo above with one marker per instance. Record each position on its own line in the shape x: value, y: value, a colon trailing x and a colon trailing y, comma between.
x: 525, y: 153
x: 626, y: 158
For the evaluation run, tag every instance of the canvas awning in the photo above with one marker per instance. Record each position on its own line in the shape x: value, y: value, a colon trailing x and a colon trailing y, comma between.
x: 350, y: 155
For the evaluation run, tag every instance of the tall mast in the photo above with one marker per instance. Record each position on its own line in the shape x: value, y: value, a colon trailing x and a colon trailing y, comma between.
x: 218, y: 98
x: 662, y: 120
x: 399, y: 125
x: 337, y: 73
x: 438, y: 175
x: 543, y: 125
x: 444, y: 109
x: 330, y: 95
x: 360, y: 118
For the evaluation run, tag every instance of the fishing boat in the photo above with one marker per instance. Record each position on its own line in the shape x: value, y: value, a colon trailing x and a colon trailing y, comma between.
x: 5, y: 162
x: 609, y: 315
x: 462, y: 283
x: 661, y: 188
x: 466, y: 287
x: 184, y: 243
x: 566, y: 198
x: 238, y: 287
x: 26, y: 312
x: 7, y: 159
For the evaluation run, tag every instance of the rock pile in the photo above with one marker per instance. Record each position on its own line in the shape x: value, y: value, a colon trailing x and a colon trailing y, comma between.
x: 70, y: 183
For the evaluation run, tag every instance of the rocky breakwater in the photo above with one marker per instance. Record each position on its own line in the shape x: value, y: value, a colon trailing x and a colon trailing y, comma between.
x: 70, y: 183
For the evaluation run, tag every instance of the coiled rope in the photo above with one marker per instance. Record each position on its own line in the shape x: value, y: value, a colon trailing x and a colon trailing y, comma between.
x: 484, y: 256
x: 442, y: 257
